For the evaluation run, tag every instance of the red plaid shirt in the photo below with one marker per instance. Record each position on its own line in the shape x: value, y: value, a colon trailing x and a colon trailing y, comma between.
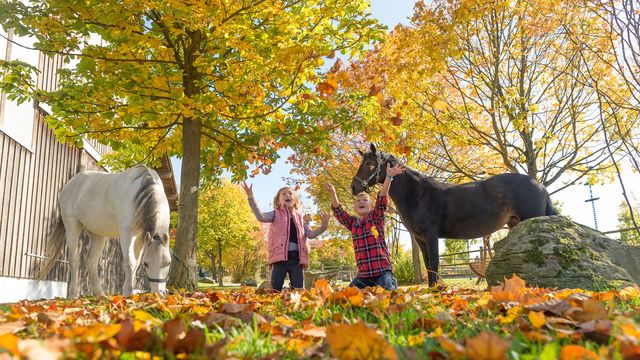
x: 372, y: 255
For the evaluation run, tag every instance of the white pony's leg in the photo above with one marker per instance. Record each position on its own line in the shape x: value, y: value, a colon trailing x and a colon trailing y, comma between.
x: 73, y: 228
x: 129, y: 263
x: 96, y: 245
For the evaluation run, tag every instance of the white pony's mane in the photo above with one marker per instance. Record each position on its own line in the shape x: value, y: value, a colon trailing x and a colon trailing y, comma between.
x: 146, y: 201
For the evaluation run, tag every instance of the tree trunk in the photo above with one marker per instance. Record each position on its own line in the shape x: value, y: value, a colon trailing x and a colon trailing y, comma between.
x: 417, y: 264
x: 183, y: 267
x: 214, y: 276
x: 220, y: 264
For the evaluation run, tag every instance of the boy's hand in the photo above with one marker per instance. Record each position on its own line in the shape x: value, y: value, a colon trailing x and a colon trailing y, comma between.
x: 393, y: 171
x: 330, y: 188
x: 248, y: 189
x: 325, y: 219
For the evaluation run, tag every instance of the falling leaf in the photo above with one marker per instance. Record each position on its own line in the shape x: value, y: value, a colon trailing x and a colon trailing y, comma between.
x: 358, y: 341
x: 374, y: 231
x: 487, y: 346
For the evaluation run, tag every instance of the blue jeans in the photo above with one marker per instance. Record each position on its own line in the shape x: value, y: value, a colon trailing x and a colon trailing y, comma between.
x: 385, y: 280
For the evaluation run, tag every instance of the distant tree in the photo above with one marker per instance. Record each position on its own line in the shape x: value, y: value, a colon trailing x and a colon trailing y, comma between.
x: 227, y: 227
x: 624, y: 222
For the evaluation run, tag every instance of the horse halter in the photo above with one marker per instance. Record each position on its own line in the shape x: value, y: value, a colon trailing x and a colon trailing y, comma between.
x: 375, y: 174
x: 155, y: 280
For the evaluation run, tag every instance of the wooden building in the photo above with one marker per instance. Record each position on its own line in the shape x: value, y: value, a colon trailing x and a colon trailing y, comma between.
x: 33, y: 168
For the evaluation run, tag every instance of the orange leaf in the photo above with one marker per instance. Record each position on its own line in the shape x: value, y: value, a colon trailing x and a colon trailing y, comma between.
x: 9, y: 342
x: 576, y: 352
x: 323, y: 288
x: 358, y: 341
x: 537, y: 319
x: 592, y: 309
x: 454, y: 349
x: 487, y: 346
x: 298, y: 345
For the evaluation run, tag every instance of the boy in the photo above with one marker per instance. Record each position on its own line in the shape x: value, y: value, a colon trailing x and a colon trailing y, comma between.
x: 367, y: 233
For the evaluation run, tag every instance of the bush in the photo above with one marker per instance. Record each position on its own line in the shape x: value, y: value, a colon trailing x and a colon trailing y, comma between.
x: 403, y: 267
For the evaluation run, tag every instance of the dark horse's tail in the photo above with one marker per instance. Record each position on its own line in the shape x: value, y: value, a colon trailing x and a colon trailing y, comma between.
x: 550, y: 210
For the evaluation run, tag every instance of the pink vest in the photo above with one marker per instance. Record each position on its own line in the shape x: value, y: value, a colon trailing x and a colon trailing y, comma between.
x: 279, y: 237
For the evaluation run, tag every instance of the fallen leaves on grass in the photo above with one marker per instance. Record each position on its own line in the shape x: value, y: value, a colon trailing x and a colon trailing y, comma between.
x: 325, y: 321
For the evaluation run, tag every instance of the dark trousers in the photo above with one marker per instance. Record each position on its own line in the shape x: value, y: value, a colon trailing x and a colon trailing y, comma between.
x: 385, y: 280
x: 292, y: 267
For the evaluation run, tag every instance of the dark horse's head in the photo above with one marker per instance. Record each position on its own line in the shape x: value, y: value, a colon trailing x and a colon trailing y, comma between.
x: 372, y: 170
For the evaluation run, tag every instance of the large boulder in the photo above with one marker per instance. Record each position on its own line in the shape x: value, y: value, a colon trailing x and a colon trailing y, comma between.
x: 555, y: 252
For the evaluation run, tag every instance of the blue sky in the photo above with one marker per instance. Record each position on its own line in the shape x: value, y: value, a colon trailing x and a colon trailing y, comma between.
x: 390, y: 13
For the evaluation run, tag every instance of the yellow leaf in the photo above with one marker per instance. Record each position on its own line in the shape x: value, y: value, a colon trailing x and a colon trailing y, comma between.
x: 9, y: 342
x: 100, y: 333
x: 286, y: 321
x: 630, y: 330
x: 374, y: 231
x: 440, y: 105
x: 630, y: 292
x: 358, y: 341
x: 144, y: 316
x: 537, y: 319
x: 417, y: 340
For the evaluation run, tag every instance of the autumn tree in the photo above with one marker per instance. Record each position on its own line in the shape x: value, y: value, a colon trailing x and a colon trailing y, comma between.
x: 216, y: 83
x: 484, y: 87
x: 228, y: 229
x: 616, y: 51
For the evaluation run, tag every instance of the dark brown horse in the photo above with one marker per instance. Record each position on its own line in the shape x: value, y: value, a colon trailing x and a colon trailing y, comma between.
x: 431, y: 209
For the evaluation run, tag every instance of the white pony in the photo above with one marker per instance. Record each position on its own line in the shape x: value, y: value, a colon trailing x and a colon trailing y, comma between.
x: 130, y: 205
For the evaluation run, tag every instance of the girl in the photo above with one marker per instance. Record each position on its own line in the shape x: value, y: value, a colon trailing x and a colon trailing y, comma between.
x: 288, y: 233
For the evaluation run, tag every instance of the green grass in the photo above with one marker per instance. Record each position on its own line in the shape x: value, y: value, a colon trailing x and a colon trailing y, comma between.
x: 206, y: 286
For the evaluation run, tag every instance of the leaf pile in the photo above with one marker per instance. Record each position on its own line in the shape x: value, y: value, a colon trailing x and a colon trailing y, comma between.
x: 508, y: 321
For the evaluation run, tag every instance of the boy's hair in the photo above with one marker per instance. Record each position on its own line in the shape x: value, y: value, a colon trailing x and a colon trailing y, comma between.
x: 363, y: 194
x: 296, y: 200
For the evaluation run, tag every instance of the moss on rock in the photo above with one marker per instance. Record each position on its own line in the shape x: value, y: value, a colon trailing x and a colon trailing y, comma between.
x: 556, y: 252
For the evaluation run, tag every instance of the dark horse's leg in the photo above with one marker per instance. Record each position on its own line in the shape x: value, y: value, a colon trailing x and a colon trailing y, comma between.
x: 429, y: 247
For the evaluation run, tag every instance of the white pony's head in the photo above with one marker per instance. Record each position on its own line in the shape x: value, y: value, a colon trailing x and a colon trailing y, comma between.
x: 156, y: 259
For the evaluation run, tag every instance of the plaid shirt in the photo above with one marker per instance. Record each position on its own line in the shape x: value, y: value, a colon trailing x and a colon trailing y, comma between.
x: 372, y: 255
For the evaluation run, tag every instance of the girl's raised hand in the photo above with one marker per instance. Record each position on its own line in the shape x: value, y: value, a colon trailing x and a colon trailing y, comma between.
x: 248, y: 189
x: 325, y: 218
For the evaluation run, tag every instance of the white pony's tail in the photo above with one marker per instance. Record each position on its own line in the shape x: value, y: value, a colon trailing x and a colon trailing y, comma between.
x: 56, y: 242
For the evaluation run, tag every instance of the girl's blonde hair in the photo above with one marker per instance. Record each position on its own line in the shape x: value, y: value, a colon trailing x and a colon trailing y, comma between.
x: 296, y: 200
